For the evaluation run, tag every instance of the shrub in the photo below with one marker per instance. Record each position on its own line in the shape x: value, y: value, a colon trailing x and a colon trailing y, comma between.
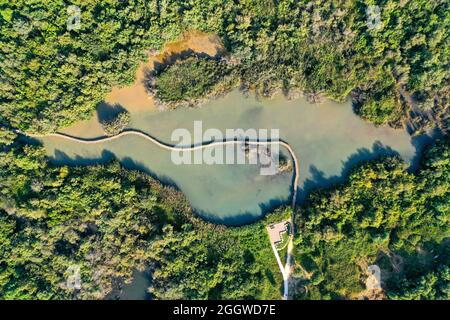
x: 116, y: 125
x: 380, y: 111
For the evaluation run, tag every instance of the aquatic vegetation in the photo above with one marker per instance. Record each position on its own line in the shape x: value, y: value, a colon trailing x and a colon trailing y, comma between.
x: 117, y: 124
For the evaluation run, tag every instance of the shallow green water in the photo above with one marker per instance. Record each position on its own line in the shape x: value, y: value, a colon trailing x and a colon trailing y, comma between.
x: 329, y: 138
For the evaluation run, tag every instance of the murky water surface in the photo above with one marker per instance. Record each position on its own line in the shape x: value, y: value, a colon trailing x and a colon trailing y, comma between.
x: 328, y: 138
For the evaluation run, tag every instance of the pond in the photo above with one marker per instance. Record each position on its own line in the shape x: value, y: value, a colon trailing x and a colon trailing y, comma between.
x: 328, y: 138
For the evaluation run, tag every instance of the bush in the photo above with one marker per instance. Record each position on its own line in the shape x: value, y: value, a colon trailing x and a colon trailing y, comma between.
x: 116, y: 125
x: 380, y: 111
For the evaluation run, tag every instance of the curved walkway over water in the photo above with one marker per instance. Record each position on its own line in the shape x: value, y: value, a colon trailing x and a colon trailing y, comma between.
x: 193, y: 147
x: 287, y: 269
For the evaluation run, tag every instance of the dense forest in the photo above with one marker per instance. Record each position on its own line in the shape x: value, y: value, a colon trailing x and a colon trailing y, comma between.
x: 100, y: 218
x: 109, y: 221
x: 383, y: 215
x: 215, y: 262
x: 393, y: 61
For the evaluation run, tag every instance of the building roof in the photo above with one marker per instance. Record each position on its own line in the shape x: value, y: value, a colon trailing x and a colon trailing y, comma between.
x: 275, y: 231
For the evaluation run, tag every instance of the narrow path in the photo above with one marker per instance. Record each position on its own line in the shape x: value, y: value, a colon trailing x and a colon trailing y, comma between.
x: 286, y: 271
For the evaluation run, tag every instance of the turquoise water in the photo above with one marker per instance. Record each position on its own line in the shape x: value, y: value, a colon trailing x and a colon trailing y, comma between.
x: 328, y: 138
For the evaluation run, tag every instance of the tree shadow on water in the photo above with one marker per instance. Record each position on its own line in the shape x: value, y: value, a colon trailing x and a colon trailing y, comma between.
x: 243, y: 217
x: 319, y: 180
x: 62, y: 158
x: 421, y: 142
x: 236, y: 219
x: 107, y: 112
x: 131, y: 164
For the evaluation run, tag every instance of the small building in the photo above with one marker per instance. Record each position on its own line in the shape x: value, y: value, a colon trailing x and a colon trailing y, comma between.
x: 276, y: 231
